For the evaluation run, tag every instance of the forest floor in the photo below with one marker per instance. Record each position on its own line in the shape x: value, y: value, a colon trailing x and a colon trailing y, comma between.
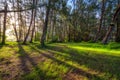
x: 60, y: 61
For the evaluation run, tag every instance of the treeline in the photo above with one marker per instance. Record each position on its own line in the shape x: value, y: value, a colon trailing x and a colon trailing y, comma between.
x: 60, y: 20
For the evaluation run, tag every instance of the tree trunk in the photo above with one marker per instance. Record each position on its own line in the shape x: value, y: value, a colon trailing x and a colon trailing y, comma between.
x: 19, y: 21
x: 45, y: 25
x: 101, y: 20
x: 26, y: 37
x: 4, y: 25
x: 106, y: 38
x: 14, y: 26
x: 33, y: 29
x: 117, y: 36
x: 0, y: 28
x: 117, y: 39
x: 53, y: 25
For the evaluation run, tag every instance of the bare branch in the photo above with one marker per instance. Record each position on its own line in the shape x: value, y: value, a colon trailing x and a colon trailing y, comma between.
x: 8, y: 11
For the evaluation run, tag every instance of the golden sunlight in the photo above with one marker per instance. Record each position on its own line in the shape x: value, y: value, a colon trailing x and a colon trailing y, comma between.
x: 10, y: 34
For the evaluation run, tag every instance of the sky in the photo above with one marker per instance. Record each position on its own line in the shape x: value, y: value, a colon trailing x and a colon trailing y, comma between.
x: 70, y: 3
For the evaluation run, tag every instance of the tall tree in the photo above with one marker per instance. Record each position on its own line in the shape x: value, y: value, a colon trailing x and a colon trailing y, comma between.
x: 109, y: 32
x: 34, y: 17
x: 4, y: 23
x: 0, y: 27
x: 14, y: 25
x: 31, y: 21
x: 45, y: 24
x: 117, y: 38
x: 101, y: 21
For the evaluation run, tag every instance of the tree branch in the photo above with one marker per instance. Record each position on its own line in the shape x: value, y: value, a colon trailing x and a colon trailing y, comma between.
x: 8, y: 11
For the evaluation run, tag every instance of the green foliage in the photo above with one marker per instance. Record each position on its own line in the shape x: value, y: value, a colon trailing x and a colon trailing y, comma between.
x: 37, y: 37
x: 113, y: 45
x: 54, y: 39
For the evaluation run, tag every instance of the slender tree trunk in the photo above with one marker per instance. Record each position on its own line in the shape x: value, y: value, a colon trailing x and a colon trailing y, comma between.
x: 25, y: 26
x: 69, y: 35
x: 4, y: 25
x: 45, y: 25
x: 14, y: 25
x: 117, y: 36
x: 16, y: 34
x: 106, y: 38
x: 101, y: 20
x: 0, y: 28
x: 50, y: 27
x: 36, y: 30
x: 53, y: 25
x: 26, y: 37
x: 20, y: 21
x: 117, y: 39
x: 33, y: 29
x: 21, y: 27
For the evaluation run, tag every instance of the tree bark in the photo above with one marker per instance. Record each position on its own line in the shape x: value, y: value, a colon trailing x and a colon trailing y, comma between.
x: 14, y: 25
x: 4, y: 25
x: 0, y: 28
x: 101, y: 20
x: 26, y: 37
x: 45, y: 25
x: 106, y: 38
x: 33, y: 29
x: 117, y: 38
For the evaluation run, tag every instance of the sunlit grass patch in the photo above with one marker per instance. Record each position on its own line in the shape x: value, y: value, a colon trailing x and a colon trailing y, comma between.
x: 6, y: 52
x: 105, y: 61
x: 97, y: 50
x: 110, y: 49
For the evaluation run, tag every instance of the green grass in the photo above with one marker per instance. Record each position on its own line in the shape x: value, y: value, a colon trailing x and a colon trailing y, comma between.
x: 61, y: 61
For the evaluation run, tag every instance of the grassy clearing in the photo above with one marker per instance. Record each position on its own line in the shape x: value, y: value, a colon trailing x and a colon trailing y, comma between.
x: 60, y: 61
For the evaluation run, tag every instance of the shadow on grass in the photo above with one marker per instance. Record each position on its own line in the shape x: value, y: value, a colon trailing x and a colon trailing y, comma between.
x: 2, y: 45
x: 24, y: 57
x: 99, y: 62
x: 75, y: 69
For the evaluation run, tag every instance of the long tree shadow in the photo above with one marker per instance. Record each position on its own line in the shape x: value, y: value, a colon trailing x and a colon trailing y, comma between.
x: 70, y: 66
x: 98, y: 62
x: 24, y: 57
